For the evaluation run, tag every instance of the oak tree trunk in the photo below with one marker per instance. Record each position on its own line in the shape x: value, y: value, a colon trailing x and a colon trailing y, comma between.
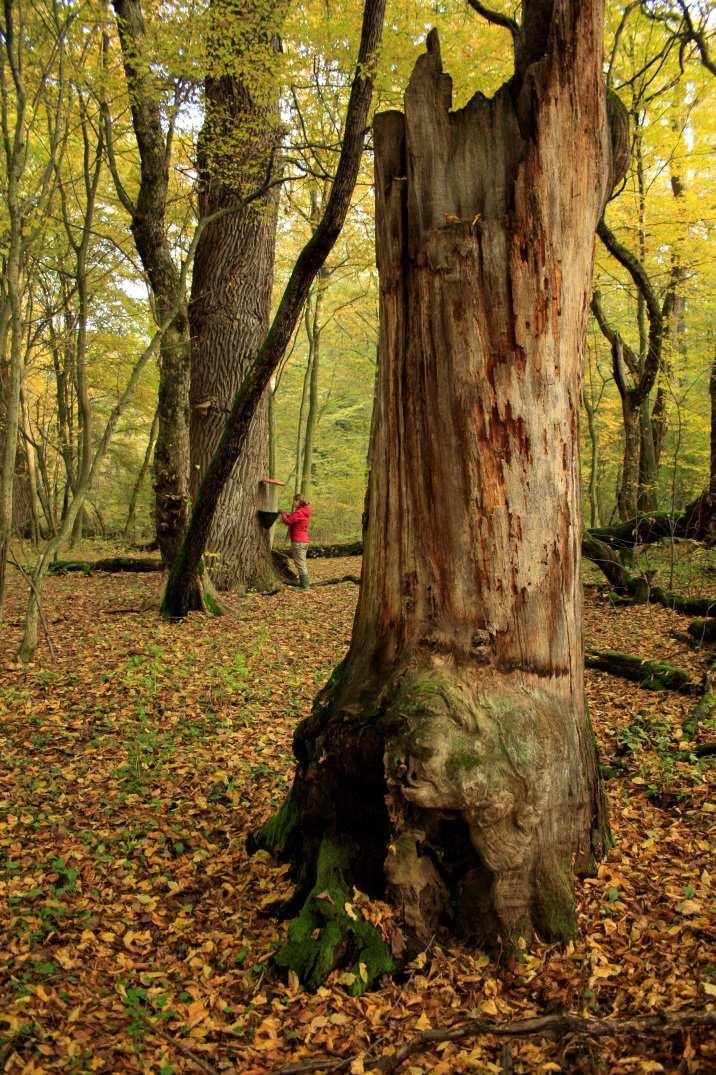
x: 450, y: 758
x: 233, y: 278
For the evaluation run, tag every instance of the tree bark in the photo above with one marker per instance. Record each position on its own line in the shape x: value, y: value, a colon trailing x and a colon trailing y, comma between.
x: 449, y: 764
x: 314, y: 344
x: 233, y: 278
x: 146, y: 462
x: 712, y: 396
x: 149, y: 230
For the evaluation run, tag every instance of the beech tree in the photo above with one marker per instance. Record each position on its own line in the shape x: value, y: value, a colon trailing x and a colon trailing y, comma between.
x: 449, y: 763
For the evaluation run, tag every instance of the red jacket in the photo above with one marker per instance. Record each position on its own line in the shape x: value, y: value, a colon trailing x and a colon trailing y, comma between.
x: 297, y: 523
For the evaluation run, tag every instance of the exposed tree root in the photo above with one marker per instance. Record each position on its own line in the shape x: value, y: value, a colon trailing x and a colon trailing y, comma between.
x: 561, y: 1024
x: 283, y: 565
x: 653, y: 675
x: 329, y: 928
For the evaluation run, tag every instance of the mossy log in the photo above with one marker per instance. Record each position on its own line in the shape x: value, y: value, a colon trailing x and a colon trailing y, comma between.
x: 706, y: 706
x: 703, y: 630
x: 639, y: 587
x: 696, y: 522
x: 111, y: 565
x: 652, y: 675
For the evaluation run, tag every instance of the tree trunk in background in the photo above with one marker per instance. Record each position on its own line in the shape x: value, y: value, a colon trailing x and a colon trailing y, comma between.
x: 233, y: 278
x: 648, y: 460
x: 712, y: 393
x: 31, y: 462
x: 149, y: 229
x: 628, y: 494
x: 129, y: 525
x: 450, y: 761
x: 314, y: 362
x: 594, y: 515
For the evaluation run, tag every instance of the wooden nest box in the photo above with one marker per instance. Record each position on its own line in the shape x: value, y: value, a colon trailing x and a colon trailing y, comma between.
x: 268, y: 501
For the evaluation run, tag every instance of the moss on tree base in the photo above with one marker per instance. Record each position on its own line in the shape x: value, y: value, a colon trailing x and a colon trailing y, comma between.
x: 329, y: 929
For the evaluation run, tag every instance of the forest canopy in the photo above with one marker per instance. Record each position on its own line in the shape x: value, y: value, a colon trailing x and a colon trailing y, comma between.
x: 85, y: 313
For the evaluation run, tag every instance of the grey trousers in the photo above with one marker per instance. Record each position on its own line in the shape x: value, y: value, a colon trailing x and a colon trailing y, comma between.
x: 298, y: 553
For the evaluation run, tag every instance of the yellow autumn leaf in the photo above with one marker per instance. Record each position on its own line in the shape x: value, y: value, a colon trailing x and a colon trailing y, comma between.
x: 196, y: 1012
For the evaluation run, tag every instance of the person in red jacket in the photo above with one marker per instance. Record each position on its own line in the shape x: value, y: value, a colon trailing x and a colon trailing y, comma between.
x: 297, y: 522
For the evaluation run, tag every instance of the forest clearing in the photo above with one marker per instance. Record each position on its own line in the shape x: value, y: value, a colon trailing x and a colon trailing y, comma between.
x: 140, y: 930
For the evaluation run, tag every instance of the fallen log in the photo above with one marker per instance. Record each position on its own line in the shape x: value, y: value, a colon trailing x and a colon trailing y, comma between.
x: 705, y: 707
x: 557, y: 1024
x: 703, y: 630
x: 351, y: 548
x: 111, y: 565
x: 652, y: 675
x: 697, y: 521
x: 335, y: 582
x: 639, y: 587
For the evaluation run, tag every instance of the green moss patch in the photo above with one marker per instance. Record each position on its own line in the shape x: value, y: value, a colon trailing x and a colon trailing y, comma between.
x: 329, y: 930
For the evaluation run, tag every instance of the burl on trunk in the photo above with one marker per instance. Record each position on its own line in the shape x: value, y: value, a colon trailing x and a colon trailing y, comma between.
x: 449, y: 765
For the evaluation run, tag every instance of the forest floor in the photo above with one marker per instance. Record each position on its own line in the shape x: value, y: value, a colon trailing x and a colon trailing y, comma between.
x: 136, y: 931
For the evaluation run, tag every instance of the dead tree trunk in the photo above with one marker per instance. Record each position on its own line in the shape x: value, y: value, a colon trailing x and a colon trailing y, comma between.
x: 450, y: 763
x: 233, y: 276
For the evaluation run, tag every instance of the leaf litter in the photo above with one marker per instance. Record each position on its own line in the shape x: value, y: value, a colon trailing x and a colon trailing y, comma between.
x: 136, y: 931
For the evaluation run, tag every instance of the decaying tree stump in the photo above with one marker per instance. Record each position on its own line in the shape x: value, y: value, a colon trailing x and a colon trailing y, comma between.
x: 449, y: 765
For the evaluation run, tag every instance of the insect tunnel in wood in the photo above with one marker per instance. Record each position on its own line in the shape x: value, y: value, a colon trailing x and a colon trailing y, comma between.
x: 268, y: 501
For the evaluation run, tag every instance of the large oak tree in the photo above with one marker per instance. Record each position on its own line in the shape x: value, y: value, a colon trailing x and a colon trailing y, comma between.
x: 233, y: 272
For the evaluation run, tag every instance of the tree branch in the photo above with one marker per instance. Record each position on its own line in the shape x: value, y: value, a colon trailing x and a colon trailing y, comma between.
x: 497, y: 19
x: 664, y: 1023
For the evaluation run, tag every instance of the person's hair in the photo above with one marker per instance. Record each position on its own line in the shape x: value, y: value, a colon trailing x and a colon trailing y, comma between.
x: 302, y: 502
